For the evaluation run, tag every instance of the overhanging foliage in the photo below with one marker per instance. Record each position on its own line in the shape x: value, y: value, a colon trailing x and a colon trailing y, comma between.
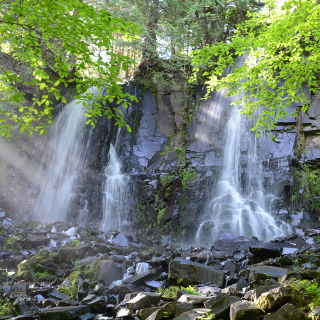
x: 47, y: 45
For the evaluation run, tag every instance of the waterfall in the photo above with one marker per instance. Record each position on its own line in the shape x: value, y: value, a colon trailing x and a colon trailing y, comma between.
x: 116, y: 194
x: 241, y: 205
x: 63, y: 159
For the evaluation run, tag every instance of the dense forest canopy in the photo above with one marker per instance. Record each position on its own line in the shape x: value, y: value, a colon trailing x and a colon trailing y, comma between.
x: 49, y: 45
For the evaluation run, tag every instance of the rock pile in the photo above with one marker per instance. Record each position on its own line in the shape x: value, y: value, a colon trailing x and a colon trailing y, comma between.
x: 60, y: 272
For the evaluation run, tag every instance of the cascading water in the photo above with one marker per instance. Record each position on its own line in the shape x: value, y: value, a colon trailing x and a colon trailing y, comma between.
x: 116, y: 194
x: 240, y: 205
x: 63, y: 159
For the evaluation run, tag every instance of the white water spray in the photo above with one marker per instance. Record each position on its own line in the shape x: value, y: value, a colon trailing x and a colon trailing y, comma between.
x: 116, y: 194
x: 64, y: 158
x: 241, y: 205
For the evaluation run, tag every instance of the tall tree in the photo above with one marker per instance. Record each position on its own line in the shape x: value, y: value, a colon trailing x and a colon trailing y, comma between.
x: 46, y: 45
x: 283, y: 47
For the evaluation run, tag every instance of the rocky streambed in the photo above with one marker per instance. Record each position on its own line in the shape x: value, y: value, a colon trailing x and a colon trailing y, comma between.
x: 57, y: 271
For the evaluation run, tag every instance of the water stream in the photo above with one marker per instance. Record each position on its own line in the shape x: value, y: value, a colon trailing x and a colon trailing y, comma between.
x: 116, y: 194
x: 240, y: 204
x: 63, y: 159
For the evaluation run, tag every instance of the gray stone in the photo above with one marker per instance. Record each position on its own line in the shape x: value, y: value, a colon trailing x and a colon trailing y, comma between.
x: 50, y: 302
x: 287, y: 311
x: 34, y: 241
x: 167, y: 310
x: 243, y: 310
x: 63, y: 313
x: 121, y: 240
x: 97, y: 304
x: 123, y: 312
x: 194, y: 299
x: 258, y: 275
x: 56, y: 294
x: 21, y: 287
x: 145, y: 313
x: 262, y: 289
x: 272, y: 300
x: 220, y: 305
x: 138, y: 279
x: 140, y: 301
x: 193, y: 314
x: 230, y: 266
x: 314, y: 314
x: 109, y: 271
x: 183, y: 307
x: 87, y: 316
x: 196, y: 272
x: 267, y: 250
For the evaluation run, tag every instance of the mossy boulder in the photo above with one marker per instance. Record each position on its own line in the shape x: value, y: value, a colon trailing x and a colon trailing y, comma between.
x: 42, y: 263
x: 74, y: 250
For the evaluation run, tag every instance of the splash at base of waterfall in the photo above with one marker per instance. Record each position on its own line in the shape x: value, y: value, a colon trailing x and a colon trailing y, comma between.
x: 240, y: 216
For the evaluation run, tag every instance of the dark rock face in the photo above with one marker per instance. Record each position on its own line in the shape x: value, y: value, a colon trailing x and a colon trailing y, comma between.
x: 174, y: 133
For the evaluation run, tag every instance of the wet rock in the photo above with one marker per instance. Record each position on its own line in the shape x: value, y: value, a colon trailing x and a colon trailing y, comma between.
x: 243, y: 310
x: 272, y: 300
x: 287, y: 311
x: 109, y: 271
x: 63, y: 313
x: 121, y: 240
x: 138, y: 279
x: 260, y: 274
x: 196, y: 272
x: 266, y: 250
x: 230, y: 266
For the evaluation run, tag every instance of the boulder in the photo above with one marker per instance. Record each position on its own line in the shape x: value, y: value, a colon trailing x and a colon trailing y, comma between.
x: 220, y: 305
x: 140, y: 301
x: 194, y: 299
x: 74, y: 250
x: 34, y: 241
x: 244, y: 310
x: 167, y: 310
x: 287, y: 311
x: 109, y: 271
x: 196, y: 272
x: 138, y: 279
x: 97, y: 304
x: 63, y: 313
x: 193, y: 314
x: 145, y: 313
x: 183, y: 307
x: 259, y: 275
x: 272, y: 300
x: 266, y: 250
